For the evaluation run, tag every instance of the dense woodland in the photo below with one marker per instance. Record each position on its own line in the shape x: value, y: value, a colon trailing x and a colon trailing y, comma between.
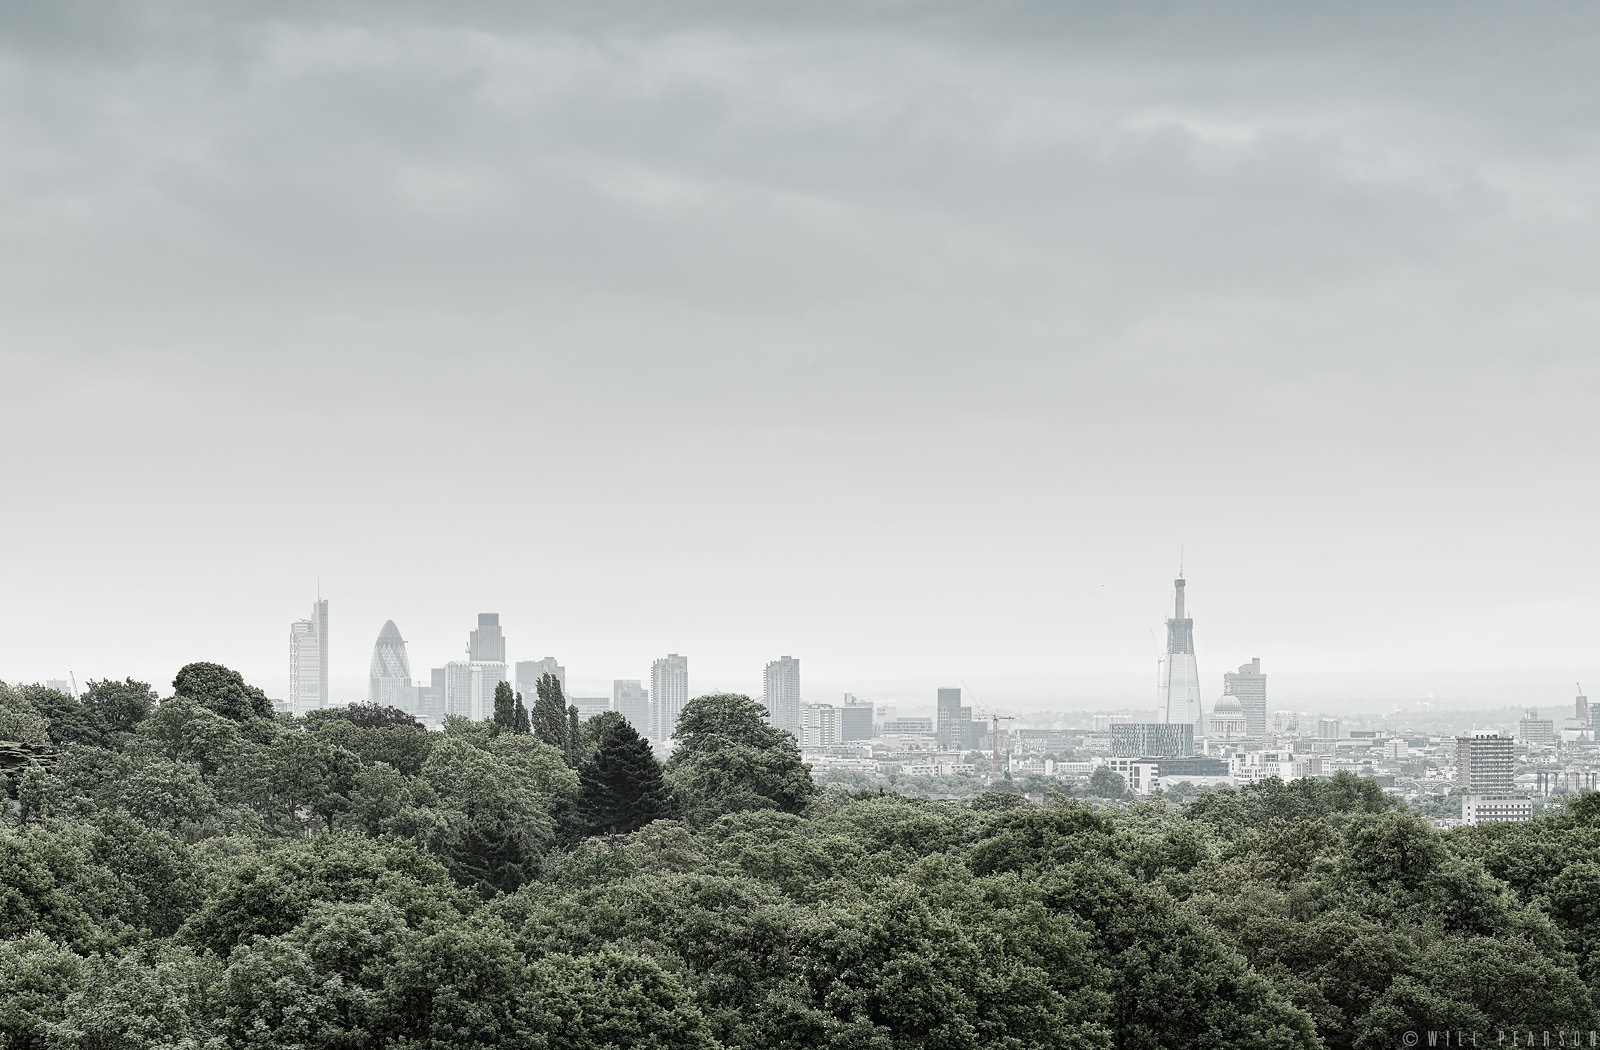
x: 203, y: 873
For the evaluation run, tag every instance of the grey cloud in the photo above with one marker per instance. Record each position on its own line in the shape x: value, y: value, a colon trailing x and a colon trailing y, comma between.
x: 863, y: 306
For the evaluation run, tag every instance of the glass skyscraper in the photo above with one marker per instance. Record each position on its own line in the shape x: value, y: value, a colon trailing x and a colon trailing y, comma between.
x: 389, y: 682
x: 308, y: 660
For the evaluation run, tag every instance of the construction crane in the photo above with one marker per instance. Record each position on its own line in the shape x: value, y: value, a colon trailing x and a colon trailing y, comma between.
x: 994, y: 727
x: 994, y: 731
x: 994, y: 736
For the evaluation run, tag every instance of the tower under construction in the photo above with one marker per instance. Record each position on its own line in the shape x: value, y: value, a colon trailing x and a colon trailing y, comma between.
x: 1178, y: 681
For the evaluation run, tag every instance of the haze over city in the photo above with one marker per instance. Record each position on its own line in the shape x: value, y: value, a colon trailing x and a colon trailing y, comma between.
x: 914, y: 341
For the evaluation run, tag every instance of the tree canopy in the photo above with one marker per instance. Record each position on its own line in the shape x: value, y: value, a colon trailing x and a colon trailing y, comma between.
x: 201, y: 874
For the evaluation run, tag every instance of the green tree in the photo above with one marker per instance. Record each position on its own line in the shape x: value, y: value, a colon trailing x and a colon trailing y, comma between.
x: 69, y: 721
x: 493, y: 821
x: 160, y: 998
x: 222, y: 690
x: 458, y: 987
x: 118, y: 707
x: 39, y: 974
x: 709, y: 722
x: 39, y: 795
x: 167, y: 794
x: 183, y: 729
x: 550, y: 713
x: 614, y: 999
x: 522, y: 724
x: 152, y: 881
x: 729, y: 760
x: 621, y: 788
x: 505, y: 708
x: 1105, y: 782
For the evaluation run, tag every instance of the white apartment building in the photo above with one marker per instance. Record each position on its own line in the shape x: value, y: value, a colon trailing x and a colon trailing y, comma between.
x: 669, y: 689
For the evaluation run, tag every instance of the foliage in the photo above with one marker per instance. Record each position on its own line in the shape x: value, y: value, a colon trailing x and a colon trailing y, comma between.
x: 729, y: 760
x: 549, y: 716
x: 621, y: 787
x: 200, y: 874
x: 1105, y: 782
x: 221, y: 690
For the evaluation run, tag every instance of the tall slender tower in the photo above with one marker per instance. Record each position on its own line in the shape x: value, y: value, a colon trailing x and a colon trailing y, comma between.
x: 1178, y: 684
x: 319, y: 613
x: 308, y: 660
x: 780, y: 693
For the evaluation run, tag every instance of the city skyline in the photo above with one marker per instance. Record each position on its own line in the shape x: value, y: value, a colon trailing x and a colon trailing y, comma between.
x: 789, y: 398
x: 1247, y: 684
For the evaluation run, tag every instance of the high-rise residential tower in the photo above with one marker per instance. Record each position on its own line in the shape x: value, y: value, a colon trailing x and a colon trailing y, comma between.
x: 631, y: 700
x: 1485, y: 763
x: 308, y: 660
x: 389, y: 681
x: 780, y: 693
x: 1486, y: 768
x: 1249, y: 686
x: 1178, y: 681
x: 669, y: 689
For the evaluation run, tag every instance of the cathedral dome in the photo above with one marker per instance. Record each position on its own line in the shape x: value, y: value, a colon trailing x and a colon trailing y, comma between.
x: 1227, y: 705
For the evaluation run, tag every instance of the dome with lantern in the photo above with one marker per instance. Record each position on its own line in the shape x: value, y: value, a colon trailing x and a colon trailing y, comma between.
x: 1227, y: 718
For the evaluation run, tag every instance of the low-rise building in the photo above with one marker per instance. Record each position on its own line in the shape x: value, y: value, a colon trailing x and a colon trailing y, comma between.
x: 1496, y: 809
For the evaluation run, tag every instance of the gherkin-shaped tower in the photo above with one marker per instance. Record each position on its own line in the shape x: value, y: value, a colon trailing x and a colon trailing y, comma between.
x: 390, y: 680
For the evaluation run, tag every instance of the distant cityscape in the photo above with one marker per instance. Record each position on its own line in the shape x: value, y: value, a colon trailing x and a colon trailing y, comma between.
x: 1493, y: 774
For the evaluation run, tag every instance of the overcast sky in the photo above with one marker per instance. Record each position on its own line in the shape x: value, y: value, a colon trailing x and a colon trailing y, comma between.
x: 911, y: 339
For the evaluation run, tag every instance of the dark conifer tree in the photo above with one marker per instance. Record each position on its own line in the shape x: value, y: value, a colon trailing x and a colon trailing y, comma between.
x: 574, y: 748
x: 620, y: 789
x: 523, y: 726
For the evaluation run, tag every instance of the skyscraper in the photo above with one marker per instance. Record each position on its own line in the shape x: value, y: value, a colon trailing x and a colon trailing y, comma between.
x: 631, y: 700
x: 1178, y: 680
x: 780, y: 693
x: 530, y: 671
x: 947, y: 718
x: 487, y: 645
x: 469, y: 684
x: 308, y: 660
x: 1249, y: 686
x: 669, y: 688
x: 389, y: 680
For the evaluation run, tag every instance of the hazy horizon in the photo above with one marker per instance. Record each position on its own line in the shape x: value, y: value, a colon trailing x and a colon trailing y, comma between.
x: 912, y: 340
